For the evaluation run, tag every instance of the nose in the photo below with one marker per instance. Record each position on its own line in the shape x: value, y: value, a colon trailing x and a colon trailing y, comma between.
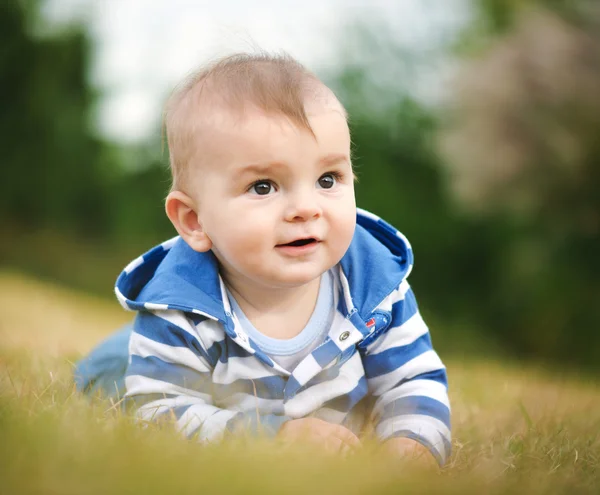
x: 303, y: 205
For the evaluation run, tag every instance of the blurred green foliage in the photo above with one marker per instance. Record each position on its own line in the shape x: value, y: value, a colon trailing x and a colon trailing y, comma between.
x: 522, y: 279
x: 50, y: 162
x: 521, y: 143
x: 497, y: 17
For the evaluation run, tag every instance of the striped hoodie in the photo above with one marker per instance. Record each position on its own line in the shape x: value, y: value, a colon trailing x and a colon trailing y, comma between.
x: 191, y: 361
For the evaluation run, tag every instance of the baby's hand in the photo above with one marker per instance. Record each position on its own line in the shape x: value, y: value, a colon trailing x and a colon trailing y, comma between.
x: 332, y: 438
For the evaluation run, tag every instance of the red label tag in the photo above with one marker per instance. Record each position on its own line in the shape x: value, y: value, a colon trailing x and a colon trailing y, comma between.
x: 371, y: 323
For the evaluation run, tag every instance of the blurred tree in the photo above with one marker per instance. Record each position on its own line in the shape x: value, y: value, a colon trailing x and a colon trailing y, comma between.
x: 523, y: 143
x: 137, y: 209
x: 70, y: 208
x: 496, y: 17
x: 51, y: 172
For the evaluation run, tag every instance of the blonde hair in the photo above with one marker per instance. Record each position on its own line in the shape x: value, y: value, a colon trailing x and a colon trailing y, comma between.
x: 275, y: 84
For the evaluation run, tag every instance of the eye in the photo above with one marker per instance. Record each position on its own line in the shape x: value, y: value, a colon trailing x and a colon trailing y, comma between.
x: 327, y: 181
x: 262, y: 187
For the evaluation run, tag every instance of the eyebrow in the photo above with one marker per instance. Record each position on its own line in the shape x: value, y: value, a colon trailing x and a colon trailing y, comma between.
x: 334, y: 158
x: 264, y: 168
x: 259, y: 169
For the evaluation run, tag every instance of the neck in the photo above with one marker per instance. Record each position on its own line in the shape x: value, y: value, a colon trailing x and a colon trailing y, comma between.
x: 266, y: 307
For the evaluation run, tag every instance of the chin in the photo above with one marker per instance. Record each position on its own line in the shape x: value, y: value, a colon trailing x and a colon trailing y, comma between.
x: 297, y: 280
x: 290, y: 283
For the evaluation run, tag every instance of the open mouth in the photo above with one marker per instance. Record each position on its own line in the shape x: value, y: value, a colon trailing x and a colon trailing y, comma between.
x: 301, y: 242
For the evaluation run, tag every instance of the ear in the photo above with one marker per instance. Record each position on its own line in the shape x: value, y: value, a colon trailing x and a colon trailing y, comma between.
x: 181, y: 210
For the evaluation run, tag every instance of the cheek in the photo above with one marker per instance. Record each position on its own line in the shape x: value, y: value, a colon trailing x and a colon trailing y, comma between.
x: 241, y: 235
x: 344, y: 226
x: 345, y: 214
x: 348, y: 233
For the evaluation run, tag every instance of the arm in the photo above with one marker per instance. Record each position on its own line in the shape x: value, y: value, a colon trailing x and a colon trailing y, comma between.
x: 169, y: 377
x: 408, y: 381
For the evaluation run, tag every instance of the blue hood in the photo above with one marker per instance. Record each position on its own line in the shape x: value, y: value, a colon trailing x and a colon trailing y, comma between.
x: 173, y: 276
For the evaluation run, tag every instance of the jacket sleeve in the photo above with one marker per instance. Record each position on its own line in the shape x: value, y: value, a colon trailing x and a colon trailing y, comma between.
x: 169, y: 377
x: 408, y: 380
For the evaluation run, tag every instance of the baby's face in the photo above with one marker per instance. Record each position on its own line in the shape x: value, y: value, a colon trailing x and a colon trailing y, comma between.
x: 278, y: 204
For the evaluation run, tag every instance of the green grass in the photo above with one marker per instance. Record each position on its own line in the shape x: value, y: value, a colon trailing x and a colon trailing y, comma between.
x: 517, y: 429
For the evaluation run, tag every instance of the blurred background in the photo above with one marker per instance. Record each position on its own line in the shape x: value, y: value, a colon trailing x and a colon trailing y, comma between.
x: 476, y: 130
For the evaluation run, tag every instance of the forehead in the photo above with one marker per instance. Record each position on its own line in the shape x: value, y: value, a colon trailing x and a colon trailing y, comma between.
x: 254, y: 137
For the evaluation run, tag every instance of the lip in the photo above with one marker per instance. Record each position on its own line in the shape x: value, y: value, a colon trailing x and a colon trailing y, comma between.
x: 299, y: 250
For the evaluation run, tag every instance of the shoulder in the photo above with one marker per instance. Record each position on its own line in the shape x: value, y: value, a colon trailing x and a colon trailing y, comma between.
x: 178, y: 329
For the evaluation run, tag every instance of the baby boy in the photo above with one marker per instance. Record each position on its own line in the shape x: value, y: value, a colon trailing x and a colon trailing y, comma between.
x: 280, y: 308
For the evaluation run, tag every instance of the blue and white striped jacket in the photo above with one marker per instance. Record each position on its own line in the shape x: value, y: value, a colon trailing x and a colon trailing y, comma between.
x: 190, y: 358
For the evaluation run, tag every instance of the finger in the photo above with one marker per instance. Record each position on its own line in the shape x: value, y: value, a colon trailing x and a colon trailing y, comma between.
x: 335, y: 445
x: 346, y: 436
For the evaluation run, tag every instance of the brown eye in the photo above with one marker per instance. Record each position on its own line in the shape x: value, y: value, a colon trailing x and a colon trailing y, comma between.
x: 327, y: 181
x: 262, y: 188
